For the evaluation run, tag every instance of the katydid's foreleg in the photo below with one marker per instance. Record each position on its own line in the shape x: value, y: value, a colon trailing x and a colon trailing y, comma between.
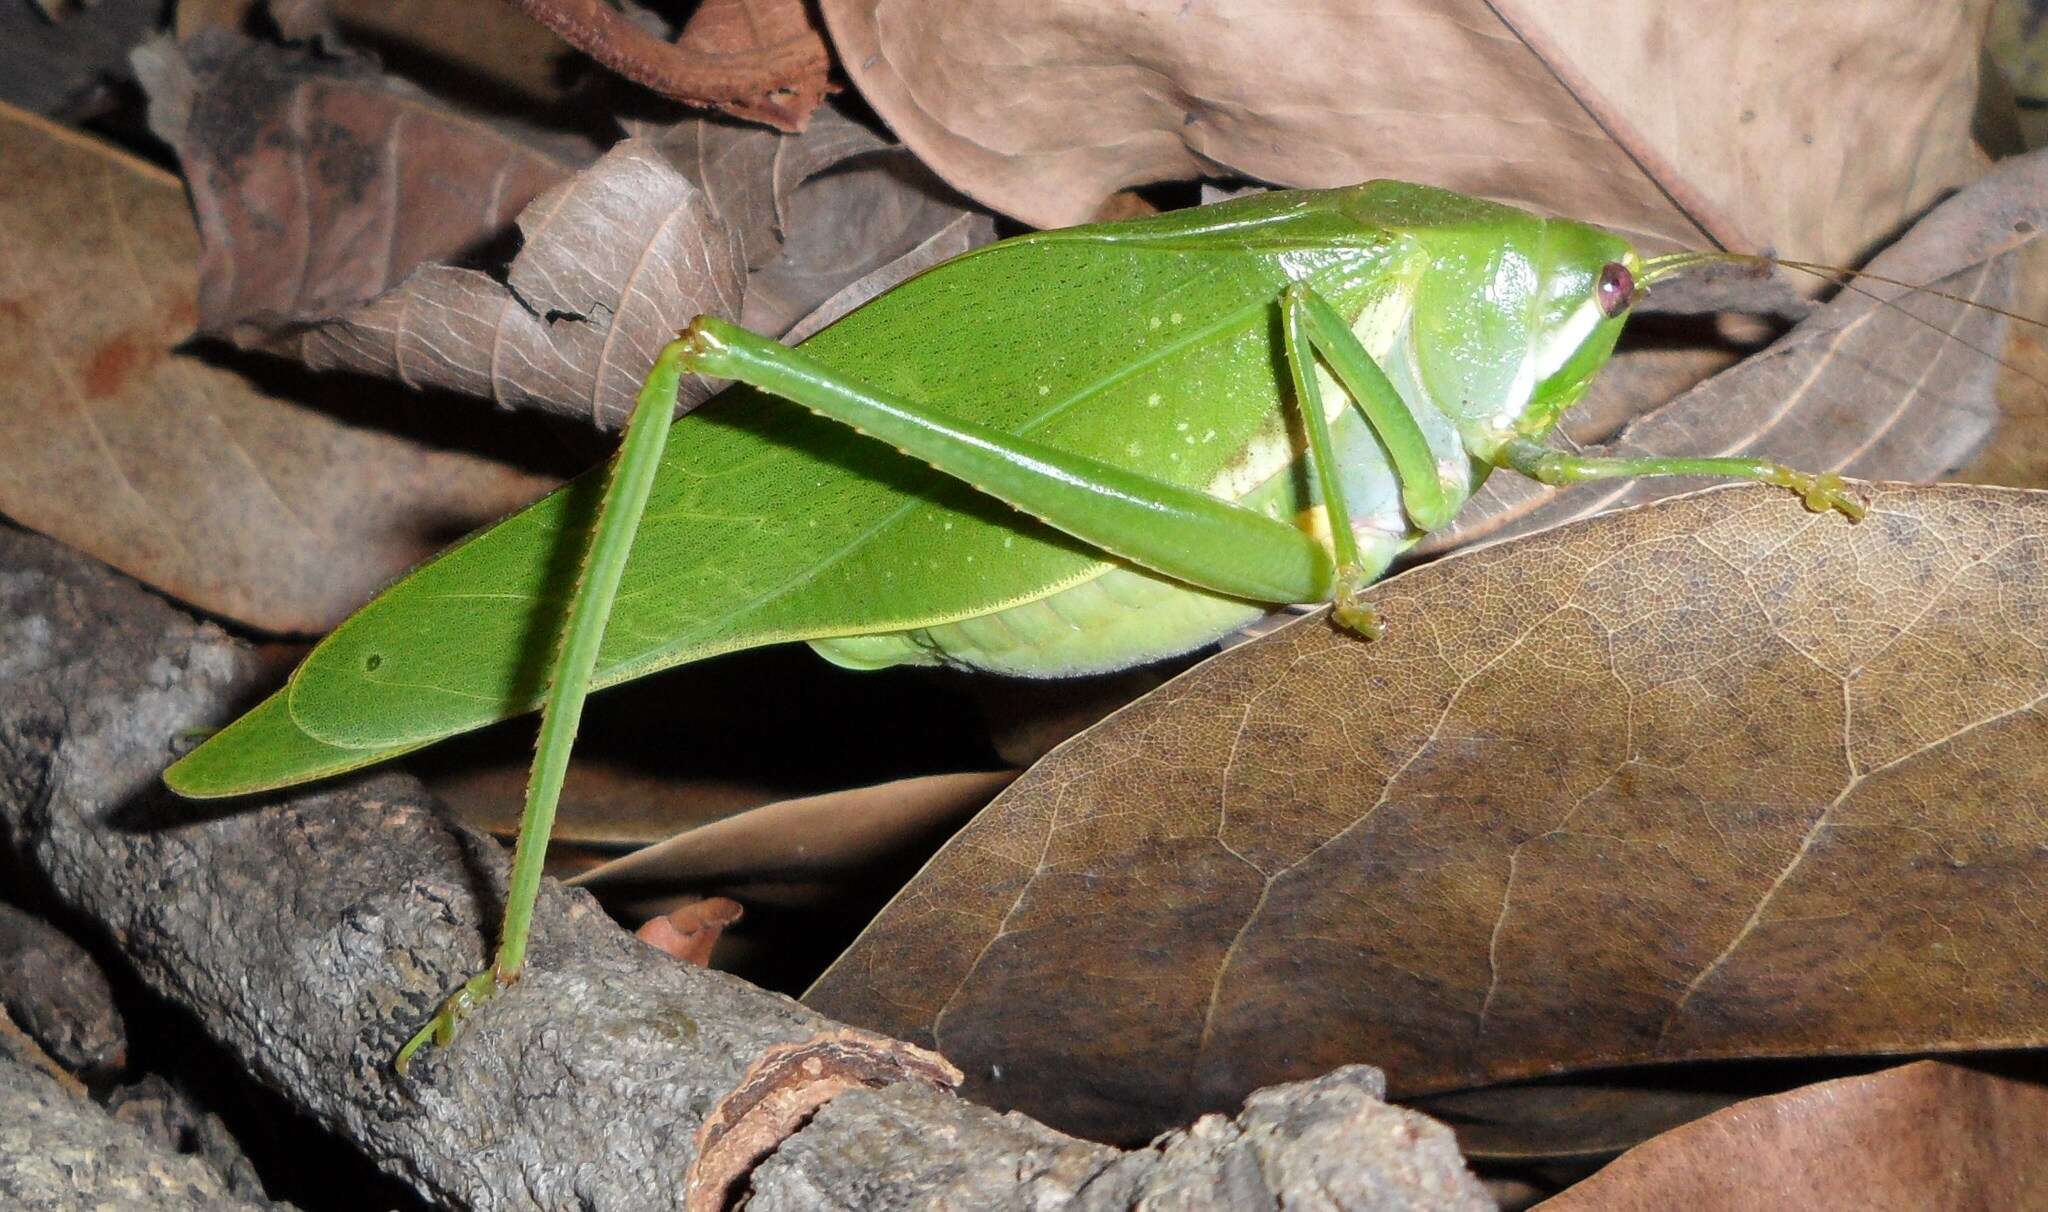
x: 1188, y: 535
x: 604, y: 563
x: 1821, y: 491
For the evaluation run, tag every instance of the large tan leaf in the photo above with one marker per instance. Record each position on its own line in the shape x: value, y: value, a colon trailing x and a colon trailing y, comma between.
x: 1813, y: 129
x: 1715, y: 777
x: 181, y: 473
x: 1925, y: 1135
x: 1881, y: 383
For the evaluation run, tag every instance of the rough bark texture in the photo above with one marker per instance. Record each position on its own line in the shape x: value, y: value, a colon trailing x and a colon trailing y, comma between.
x: 312, y: 932
x: 59, y: 1152
x: 1323, y: 1144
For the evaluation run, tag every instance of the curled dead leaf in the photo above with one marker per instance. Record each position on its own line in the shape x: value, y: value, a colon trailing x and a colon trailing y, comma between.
x: 797, y: 851
x: 761, y: 60
x: 320, y: 182
x: 689, y: 932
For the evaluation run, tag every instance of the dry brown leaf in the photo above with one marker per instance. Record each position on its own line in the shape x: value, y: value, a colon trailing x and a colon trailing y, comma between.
x: 1812, y: 130
x: 774, y: 52
x: 961, y: 233
x: 606, y: 806
x: 796, y: 851
x: 1562, y: 1121
x: 881, y: 214
x: 181, y: 473
x: 760, y: 60
x: 752, y: 175
x: 612, y: 264
x: 320, y: 183
x: 1881, y: 383
x: 1711, y: 778
x: 1925, y: 1135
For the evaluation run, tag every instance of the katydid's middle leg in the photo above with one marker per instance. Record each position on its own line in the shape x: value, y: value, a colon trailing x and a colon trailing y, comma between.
x: 1312, y: 326
x: 1349, y: 607
x: 1821, y: 491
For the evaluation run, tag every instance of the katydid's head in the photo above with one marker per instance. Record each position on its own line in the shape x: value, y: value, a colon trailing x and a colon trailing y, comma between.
x: 1510, y: 332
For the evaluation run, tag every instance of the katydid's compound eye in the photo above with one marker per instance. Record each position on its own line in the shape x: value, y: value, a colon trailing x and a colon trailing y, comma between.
x: 1617, y: 286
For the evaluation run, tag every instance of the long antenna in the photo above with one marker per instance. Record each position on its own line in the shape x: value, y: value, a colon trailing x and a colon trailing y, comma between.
x: 1665, y: 266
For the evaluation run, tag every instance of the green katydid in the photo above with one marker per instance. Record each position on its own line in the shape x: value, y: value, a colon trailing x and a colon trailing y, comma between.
x: 1067, y: 452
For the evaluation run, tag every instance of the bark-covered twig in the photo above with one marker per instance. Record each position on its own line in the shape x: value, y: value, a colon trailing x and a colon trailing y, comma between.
x: 59, y: 1151
x: 312, y: 932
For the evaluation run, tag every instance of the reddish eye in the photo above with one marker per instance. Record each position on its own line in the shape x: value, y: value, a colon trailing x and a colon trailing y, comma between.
x: 1617, y: 287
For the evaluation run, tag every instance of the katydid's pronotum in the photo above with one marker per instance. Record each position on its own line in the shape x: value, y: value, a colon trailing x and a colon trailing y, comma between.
x: 1064, y: 453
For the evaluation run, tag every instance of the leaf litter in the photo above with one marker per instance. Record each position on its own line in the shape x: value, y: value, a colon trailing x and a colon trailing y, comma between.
x: 1518, y: 855
x: 1924, y: 1135
x: 1659, y: 120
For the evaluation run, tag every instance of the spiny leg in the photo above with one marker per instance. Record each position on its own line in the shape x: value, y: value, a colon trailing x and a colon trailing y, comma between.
x: 1821, y: 491
x: 590, y: 606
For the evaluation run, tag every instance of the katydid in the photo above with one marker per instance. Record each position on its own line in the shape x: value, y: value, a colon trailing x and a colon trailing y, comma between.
x: 1068, y: 452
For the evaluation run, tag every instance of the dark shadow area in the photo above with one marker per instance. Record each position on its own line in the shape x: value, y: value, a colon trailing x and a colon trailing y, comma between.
x: 1552, y: 1132
x: 527, y: 439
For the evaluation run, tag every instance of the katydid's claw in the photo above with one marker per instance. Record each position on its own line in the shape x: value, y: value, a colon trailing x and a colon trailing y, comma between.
x: 1352, y: 612
x: 1823, y: 492
x: 446, y: 1024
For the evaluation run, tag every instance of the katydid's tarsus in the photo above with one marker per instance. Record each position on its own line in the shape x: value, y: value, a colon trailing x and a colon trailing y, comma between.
x: 1064, y: 453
